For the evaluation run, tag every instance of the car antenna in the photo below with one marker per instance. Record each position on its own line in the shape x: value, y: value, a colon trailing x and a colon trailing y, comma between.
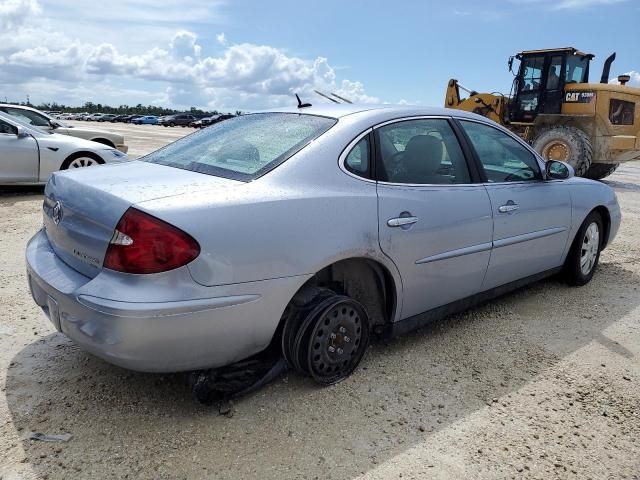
x: 326, y: 96
x: 300, y: 104
x: 341, y: 98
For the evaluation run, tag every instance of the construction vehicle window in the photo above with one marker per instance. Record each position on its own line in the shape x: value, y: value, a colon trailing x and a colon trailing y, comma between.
x: 575, y: 70
x: 424, y: 151
x: 555, y: 70
x: 358, y: 159
x: 532, y: 73
x: 621, y: 112
x: 502, y: 157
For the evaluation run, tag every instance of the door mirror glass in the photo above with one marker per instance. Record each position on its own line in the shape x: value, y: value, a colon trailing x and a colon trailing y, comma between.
x: 557, y: 170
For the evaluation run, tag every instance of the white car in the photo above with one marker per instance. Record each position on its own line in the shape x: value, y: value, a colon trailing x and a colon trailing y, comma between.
x: 40, y: 119
x: 29, y: 155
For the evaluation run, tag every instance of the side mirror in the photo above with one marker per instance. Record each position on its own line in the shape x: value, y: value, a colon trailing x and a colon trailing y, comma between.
x: 53, y: 124
x: 557, y: 170
x: 20, y: 133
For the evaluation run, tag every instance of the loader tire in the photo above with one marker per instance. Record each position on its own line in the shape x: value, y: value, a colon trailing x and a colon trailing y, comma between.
x: 567, y: 144
x: 598, y: 171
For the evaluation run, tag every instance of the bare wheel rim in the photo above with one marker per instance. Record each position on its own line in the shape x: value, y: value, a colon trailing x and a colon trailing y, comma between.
x: 589, y: 250
x: 83, y: 162
x: 337, y: 341
x: 556, y: 150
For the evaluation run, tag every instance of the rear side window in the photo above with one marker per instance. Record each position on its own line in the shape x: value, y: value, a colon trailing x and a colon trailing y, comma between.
x: 357, y: 161
x: 244, y: 147
x: 621, y: 112
x: 422, y: 152
x: 502, y: 157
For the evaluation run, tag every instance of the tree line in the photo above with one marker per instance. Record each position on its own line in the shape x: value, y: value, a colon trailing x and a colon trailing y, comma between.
x: 139, y: 109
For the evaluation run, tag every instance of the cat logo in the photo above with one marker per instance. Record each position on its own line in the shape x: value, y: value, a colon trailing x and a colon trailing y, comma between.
x: 579, y: 97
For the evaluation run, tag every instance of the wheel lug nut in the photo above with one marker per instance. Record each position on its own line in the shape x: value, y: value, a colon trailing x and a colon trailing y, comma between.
x: 331, y: 348
x: 340, y: 351
x: 346, y: 339
x: 332, y: 336
x: 343, y: 330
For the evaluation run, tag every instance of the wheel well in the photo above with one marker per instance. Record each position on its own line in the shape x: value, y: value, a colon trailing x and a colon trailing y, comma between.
x: 75, y: 155
x: 606, y: 223
x: 364, y: 280
x: 104, y: 141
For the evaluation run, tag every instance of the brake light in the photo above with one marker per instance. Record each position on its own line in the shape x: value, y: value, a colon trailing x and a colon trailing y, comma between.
x: 142, y: 243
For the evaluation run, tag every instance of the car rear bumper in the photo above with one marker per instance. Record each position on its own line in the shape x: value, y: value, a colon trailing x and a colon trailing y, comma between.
x: 122, y: 148
x: 234, y: 322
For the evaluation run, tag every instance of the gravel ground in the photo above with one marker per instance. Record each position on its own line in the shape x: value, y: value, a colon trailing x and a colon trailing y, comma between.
x: 543, y: 383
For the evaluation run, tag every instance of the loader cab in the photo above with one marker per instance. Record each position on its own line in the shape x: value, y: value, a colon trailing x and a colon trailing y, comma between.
x: 539, y: 84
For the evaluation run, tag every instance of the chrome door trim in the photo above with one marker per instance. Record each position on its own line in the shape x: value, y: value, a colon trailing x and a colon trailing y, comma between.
x: 525, y: 237
x: 347, y: 150
x: 458, y: 252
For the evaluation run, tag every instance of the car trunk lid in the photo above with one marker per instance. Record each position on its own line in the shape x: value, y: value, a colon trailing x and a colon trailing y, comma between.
x: 83, y: 207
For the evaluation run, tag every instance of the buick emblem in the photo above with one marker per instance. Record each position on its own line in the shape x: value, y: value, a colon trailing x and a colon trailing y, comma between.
x: 57, y: 213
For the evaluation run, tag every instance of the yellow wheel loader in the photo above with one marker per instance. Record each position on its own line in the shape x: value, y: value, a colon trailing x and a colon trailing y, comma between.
x: 592, y: 126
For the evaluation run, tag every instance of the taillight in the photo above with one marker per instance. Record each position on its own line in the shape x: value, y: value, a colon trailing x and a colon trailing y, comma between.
x: 142, y: 243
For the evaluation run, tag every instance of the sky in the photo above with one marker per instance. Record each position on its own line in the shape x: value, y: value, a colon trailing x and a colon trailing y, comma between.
x: 251, y: 54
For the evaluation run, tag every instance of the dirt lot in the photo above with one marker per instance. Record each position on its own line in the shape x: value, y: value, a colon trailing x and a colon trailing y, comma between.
x: 543, y: 383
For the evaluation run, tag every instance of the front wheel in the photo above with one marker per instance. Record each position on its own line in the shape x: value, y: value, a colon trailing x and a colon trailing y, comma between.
x: 567, y: 144
x: 583, y: 257
x: 326, y: 336
x: 81, y: 160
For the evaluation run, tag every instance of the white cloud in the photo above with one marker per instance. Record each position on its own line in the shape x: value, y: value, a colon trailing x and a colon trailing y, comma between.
x: 574, y: 4
x: 14, y: 12
x: 243, y: 75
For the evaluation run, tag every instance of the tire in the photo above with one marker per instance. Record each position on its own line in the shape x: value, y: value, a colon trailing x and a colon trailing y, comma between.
x: 585, y: 247
x: 325, y: 335
x: 568, y: 144
x: 81, y: 159
x: 172, y: 124
x: 598, y: 171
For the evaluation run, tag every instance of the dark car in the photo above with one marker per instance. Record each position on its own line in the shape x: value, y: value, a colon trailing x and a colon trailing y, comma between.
x: 131, y: 118
x: 120, y: 118
x: 181, y: 119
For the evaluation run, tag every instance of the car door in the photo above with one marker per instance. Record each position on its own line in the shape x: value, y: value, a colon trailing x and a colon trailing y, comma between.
x: 531, y: 215
x: 19, y: 160
x: 434, y: 222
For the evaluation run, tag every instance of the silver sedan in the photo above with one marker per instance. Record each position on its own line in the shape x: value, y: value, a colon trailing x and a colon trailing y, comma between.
x: 306, y: 230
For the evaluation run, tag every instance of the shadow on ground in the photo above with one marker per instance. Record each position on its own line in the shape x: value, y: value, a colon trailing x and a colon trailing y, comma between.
x: 148, y: 426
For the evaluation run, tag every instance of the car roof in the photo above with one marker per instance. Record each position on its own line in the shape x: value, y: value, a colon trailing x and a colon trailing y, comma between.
x: 387, y: 110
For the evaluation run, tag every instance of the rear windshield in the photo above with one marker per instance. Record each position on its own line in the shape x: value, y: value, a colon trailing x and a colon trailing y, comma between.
x: 244, y: 147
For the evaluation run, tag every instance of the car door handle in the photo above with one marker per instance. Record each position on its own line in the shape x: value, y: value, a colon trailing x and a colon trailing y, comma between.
x: 509, y: 207
x: 401, y: 221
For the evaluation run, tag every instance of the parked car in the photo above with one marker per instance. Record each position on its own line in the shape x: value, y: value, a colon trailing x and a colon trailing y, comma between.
x: 182, y: 120
x: 147, y: 119
x: 93, y: 117
x: 41, y: 120
x: 289, y: 229
x: 120, y: 118
x: 29, y: 155
x: 107, y: 117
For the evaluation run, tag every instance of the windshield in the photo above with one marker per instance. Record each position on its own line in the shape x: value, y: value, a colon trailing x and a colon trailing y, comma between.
x: 244, y: 147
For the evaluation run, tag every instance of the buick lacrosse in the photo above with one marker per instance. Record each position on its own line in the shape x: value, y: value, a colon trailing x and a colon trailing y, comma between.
x: 310, y: 229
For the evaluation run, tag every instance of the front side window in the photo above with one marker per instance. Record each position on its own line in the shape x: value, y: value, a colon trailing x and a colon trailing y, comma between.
x: 621, y: 112
x: 244, y: 147
x: 423, y: 151
x: 357, y: 160
x: 503, y: 158
x: 555, y: 71
x: 6, y: 128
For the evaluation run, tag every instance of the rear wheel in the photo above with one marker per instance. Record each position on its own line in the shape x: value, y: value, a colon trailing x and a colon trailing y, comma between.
x: 325, y: 335
x: 80, y: 160
x: 598, y: 171
x: 583, y: 257
x: 567, y: 144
